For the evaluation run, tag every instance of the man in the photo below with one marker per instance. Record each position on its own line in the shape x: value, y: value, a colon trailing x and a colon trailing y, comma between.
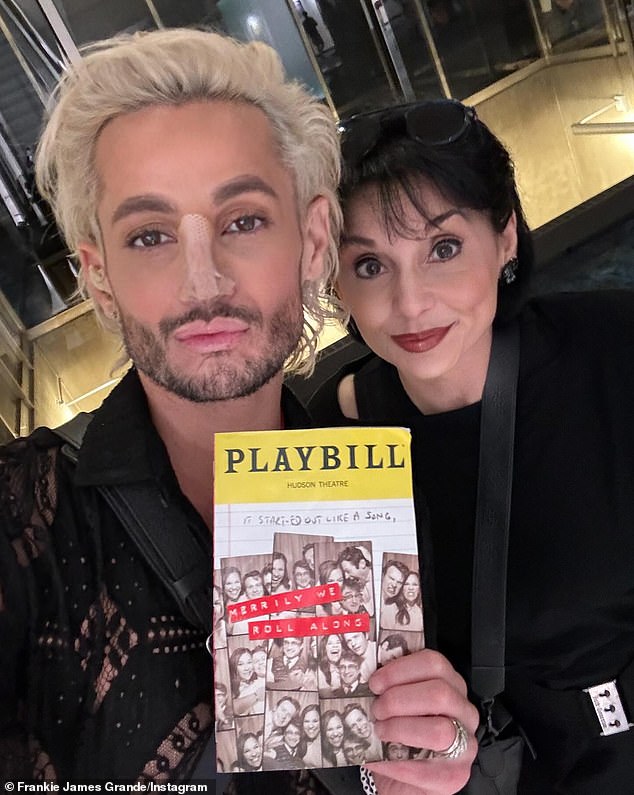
x: 359, y: 643
x: 253, y: 585
x: 394, y: 574
x: 392, y: 647
x: 196, y: 186
x: 277, y: 719
x: 355, y: 750
x: 352, y: 597
x: 350, y: 673
x: 357, y: 724
x: 302, y: 575
x: 287, y: 669
x: 224, y: 720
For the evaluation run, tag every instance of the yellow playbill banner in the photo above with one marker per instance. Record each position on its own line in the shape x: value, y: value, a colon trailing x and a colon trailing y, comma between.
x: 299, y: 465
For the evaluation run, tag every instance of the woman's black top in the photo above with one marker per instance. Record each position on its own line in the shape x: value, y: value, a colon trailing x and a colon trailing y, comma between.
x: 570, y: 622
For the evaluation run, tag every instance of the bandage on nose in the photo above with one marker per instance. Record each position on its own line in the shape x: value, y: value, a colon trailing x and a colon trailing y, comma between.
x: 194, y: 232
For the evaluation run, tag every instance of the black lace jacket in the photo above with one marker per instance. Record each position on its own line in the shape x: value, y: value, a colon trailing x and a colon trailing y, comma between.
x: 101, y: 678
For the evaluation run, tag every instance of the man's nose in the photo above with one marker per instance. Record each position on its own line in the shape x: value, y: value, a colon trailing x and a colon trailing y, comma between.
x: 202, y: 280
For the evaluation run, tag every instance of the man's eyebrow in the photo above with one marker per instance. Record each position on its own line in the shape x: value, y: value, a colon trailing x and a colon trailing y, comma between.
x: 140, y: 204
x: 247, y: 183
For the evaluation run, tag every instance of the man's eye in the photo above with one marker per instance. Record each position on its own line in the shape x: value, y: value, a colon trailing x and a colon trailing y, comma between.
x: 368, y: 268
x: 446, y: 249
x: 246, y: 223
x: 148, y: 239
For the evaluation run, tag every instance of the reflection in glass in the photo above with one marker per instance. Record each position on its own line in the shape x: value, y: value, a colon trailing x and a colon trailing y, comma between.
x: 572, y: 24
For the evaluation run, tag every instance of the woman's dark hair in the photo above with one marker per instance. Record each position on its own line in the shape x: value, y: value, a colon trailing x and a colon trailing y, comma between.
x: 324, y: 665
x: 475, y: 171
x: 240, y: 743
x: 233, y: 670
x: 327, y: 751
x: 325, y: 568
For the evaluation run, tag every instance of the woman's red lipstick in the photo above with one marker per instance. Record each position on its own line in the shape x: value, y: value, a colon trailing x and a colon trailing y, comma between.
x: 422, y: 341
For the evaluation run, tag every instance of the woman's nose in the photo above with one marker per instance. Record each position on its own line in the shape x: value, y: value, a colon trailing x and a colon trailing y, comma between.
x: 412, y: 294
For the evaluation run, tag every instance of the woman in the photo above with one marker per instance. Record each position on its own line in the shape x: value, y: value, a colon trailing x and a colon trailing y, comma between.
x: 332, y: 739
x: 247, y: 688
x: 413, y: 602
x: 249, y: 756
x: 435, y: 262
x: 231, y: 585
x: 310, y: 721
x: 329, y: 655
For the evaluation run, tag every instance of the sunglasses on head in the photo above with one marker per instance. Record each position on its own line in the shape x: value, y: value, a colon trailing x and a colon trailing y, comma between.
x: 434, y: 122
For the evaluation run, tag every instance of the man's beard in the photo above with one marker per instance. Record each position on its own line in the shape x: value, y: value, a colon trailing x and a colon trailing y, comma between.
x: 228, y: 379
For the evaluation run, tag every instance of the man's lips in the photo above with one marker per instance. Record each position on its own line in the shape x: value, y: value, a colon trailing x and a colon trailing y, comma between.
x: 422, y: 341
x: 220, y: 333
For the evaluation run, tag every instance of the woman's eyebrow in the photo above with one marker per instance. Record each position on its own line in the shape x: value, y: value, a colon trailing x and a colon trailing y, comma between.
x: 440, y: 219
x: 355, y: 240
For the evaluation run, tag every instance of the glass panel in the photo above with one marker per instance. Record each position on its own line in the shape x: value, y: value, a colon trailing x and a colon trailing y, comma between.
x: 353, y: 60
x: 29, y: 64
x: 477, y: 42
x: 572, y: 24
x: 89, y: 20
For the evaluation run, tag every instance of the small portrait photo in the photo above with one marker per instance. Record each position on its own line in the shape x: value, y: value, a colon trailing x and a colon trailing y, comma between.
x: 290, y: 733
x: 398, y: 752
x: 347, y: 732
x: 249, y: 744
x: 291, y: 665
x: 247, y: 675
x: 226, y: 752
x: 299, y: 548
x: 362, y: 645
x: 222, y: 694
x: 401, y: 604
x: 219, y: 633
x: 328, y: 571
x: 393, y: 645
x: 342, y: 562
x: 329, y: 651
x: 242, y: 580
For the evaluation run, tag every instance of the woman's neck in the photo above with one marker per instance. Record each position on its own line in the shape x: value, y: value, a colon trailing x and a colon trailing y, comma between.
x: 461, y: 386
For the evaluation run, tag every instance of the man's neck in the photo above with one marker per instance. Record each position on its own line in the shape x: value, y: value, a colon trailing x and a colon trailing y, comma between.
x: 187, y: 430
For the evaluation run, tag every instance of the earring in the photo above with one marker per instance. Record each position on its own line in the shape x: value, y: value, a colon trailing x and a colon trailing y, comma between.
x: 509, y: 271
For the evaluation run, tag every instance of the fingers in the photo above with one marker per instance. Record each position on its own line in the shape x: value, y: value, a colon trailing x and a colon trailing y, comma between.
x: 434, y: 732
x: 426, y: 776
x: 432, y: 697
x: 417, y: 667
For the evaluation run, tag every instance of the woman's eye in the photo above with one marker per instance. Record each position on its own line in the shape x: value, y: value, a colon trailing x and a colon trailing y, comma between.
x: 446, y: 249
x: 368, y: 268
x: 149, y: 238
x: 246, y: 223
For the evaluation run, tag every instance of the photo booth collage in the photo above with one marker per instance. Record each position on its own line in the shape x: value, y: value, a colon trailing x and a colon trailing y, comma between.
x: 295, y: 701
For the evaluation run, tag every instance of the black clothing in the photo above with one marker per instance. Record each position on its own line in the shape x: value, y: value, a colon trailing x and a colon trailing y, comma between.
x: 570, y: 620
x: 101, y: 677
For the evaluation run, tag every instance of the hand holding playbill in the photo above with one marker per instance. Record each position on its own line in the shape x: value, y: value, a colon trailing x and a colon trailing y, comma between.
x: 316, y: 584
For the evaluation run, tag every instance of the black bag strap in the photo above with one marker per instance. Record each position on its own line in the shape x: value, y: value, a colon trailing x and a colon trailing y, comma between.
x: 179, y: 561
x: 495, y: 480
